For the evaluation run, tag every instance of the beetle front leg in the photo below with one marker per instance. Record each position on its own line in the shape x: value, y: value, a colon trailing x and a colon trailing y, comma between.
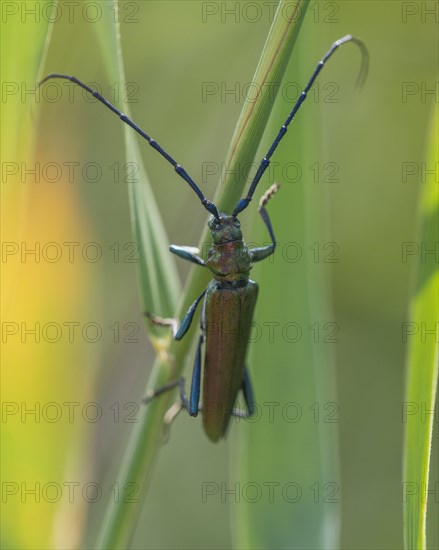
x: 262, y: 252
x: 189, y: 253
x: 258, y: 254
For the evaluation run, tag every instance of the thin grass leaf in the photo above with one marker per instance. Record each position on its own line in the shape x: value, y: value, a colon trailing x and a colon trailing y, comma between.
x: 292, y: 457
x: 422, y: 363
x: 158, y: 279
x: 121, y: 517
x: 254, y: 116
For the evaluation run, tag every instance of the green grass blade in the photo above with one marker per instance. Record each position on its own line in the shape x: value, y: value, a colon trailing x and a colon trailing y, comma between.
x: 422, y: 361
x: 121, y: 517
x: 24, y: 66
x: 158, y: 279
x: 157, y: 275
x: 254, y: 115
x: 294, y: 451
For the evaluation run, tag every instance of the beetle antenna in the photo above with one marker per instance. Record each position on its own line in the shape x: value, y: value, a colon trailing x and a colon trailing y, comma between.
x: 208, y: 205
x: 243, y: 203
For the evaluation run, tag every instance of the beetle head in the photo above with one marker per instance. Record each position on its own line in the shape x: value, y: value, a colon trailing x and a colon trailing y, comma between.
x: 225, y: 229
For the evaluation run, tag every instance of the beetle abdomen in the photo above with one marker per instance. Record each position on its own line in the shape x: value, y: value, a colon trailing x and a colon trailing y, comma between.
x: 229, y: 314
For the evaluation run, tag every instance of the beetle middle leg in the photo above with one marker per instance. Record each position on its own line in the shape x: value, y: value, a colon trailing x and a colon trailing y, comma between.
x: 178, y: 332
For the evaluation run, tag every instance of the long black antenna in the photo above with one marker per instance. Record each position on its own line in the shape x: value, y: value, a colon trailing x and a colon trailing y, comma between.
x: 208, y: 205
x: 243, y: 203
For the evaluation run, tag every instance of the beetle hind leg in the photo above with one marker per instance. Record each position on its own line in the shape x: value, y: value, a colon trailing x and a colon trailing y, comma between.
x: 152, y: 394
x: 176, y: 407
x: 247, y: 391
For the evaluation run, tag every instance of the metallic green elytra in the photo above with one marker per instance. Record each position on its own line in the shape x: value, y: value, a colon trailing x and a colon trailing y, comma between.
x: 229, y: 314
x: 229, y: 301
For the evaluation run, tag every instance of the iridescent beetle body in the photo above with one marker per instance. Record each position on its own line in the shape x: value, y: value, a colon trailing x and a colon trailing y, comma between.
x: 227, y: 315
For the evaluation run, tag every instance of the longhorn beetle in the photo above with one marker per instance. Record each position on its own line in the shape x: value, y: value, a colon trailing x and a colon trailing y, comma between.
x: 229, y: 300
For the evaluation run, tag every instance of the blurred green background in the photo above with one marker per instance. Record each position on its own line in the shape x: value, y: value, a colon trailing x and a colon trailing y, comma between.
x: 170, y: 50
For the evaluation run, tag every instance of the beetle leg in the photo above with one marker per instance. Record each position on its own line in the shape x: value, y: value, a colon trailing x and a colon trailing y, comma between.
x: 187, y: 320
x: 192, y: 406
x: 152, y: 394
x: 196, y: 374
x: 247, y: 390
x: 258, y: 254
x: 262, y: 252
x: 172, y: 412
x: 176, y: 407
x: 187, y: 253
x: 177, y: 331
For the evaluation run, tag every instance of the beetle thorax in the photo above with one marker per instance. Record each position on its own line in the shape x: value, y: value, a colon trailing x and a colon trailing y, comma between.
x: 229, y: 258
